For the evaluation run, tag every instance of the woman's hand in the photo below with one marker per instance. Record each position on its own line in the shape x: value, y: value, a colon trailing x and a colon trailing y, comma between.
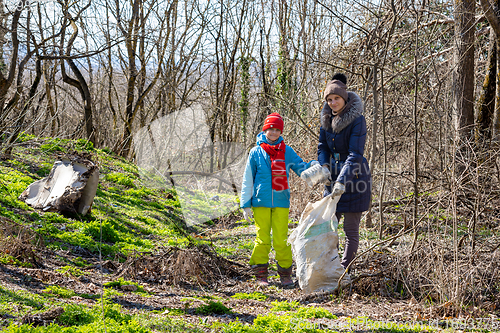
x: 338, y: 189
x: 327, y: 176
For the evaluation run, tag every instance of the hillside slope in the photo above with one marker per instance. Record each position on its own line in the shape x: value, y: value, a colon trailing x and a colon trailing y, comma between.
x: 132, y: 265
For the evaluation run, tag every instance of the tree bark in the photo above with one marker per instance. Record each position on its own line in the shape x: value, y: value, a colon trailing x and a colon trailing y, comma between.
x: 493, y: 18
x: 133, y: 42
x: 486, y: 103
x: 6, y: 81
x: 463, y: 73
x: 29, y: 102
x: 495, y: 122
x: 81, y: 84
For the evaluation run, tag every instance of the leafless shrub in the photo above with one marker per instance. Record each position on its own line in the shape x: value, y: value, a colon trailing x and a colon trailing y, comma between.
x: 19, y: 241
x: 194, y: 266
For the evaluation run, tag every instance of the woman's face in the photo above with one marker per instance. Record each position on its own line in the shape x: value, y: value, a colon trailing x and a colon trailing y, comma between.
x: 336, y: 103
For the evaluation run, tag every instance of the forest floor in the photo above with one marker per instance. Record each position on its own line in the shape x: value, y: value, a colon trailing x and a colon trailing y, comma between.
x: 352, y: 312
x: 136, y: 275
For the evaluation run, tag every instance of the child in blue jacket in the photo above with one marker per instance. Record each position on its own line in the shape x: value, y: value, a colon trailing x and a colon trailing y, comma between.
x: 265, y: 195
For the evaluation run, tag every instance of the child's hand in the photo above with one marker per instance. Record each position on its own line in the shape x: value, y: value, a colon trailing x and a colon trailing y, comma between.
x: 316, y: 174
x: 248, y: 214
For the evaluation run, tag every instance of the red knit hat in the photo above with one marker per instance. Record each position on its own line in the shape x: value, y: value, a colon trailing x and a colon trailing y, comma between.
x: 274, y: 120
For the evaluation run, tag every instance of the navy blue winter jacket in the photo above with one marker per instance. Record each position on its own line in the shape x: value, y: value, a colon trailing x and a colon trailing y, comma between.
x: 341, y: 146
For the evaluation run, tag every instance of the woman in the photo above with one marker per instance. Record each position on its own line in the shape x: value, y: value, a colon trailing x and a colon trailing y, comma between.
x: 341, y: 146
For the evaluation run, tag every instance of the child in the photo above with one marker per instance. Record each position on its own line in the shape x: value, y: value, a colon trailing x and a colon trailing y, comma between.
x: 265, y: 189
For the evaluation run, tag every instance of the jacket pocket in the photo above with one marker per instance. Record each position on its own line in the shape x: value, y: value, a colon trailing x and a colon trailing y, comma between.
x: 281, y: 198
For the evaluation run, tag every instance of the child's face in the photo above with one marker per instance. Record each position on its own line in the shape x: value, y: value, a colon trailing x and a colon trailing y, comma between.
x: 272, y: 134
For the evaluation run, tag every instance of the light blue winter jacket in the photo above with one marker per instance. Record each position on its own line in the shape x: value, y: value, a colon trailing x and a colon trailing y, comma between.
x: 256, y: 190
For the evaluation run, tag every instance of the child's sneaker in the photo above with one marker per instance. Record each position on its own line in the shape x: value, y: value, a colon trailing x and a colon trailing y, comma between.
x: 285, y: 276
x: 260, y: 272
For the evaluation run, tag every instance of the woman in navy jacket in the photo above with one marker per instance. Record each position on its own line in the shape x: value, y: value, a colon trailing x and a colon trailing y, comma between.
x: 341, y: 146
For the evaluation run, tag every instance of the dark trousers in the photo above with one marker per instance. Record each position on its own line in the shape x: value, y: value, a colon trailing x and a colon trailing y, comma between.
x: 351, y: 229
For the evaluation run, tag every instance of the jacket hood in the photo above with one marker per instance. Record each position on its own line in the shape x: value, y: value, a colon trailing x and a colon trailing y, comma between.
x: 354, y: 109
x: 261, y: 138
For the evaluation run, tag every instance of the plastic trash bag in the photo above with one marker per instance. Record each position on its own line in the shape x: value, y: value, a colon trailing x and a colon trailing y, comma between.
x: 315, y: 174
x: 314, y: 244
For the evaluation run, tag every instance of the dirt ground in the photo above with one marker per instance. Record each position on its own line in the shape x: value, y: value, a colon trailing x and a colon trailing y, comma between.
x: 365, y: 298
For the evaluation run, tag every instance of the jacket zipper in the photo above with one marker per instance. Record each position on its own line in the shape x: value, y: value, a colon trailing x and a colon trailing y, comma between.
x: 272, y: 191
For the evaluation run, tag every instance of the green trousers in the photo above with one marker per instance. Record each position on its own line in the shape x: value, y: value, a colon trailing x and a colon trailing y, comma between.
x: 275, y: 219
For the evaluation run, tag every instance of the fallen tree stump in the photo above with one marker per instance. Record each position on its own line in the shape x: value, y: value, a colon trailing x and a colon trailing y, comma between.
x: 70, y: 187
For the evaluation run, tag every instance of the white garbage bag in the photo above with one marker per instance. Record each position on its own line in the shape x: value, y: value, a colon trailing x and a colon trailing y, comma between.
x: 314, y: 245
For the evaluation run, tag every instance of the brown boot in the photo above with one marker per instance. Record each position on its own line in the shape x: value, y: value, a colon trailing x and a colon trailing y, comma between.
x: 285, y: 276
x: 260, y: 272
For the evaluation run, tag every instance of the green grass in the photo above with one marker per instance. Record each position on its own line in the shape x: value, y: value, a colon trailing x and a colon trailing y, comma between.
x: 126, y: 217
x: 213, y: 308
x: 247, y: 246
x: 297, y: 322
x: 56, y: 291
x: 122, y: 282
x: 12, y: 183
x: 76, y: 315
x: 269, y: 323
x: 316, y: 312
x: 71, y: 271
x: 284, y: 305
x: 80, y: 262
x: 102, y: 317
x: 26, y: 301
x: 7, y: 259
x: 258, y: 296
x: 120, y: 178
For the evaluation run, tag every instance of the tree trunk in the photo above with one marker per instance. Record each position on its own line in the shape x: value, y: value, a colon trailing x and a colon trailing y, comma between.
x: 134, y: 43
x: 50, y: 85
x: 495, y: 122
x: 463, y: 73
x: 486, y: 103
x: 7, y: 79
x: 80, y: 83
x: 492, y: 80
x: 20, y: 122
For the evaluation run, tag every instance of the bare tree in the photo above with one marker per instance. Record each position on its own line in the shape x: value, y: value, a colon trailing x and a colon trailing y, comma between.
x: 133, y: 25
x: 32, y: 45
x: 488, y: 115
x: 463, y: 74
x: 7, y: 77
x: 80, y: 82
